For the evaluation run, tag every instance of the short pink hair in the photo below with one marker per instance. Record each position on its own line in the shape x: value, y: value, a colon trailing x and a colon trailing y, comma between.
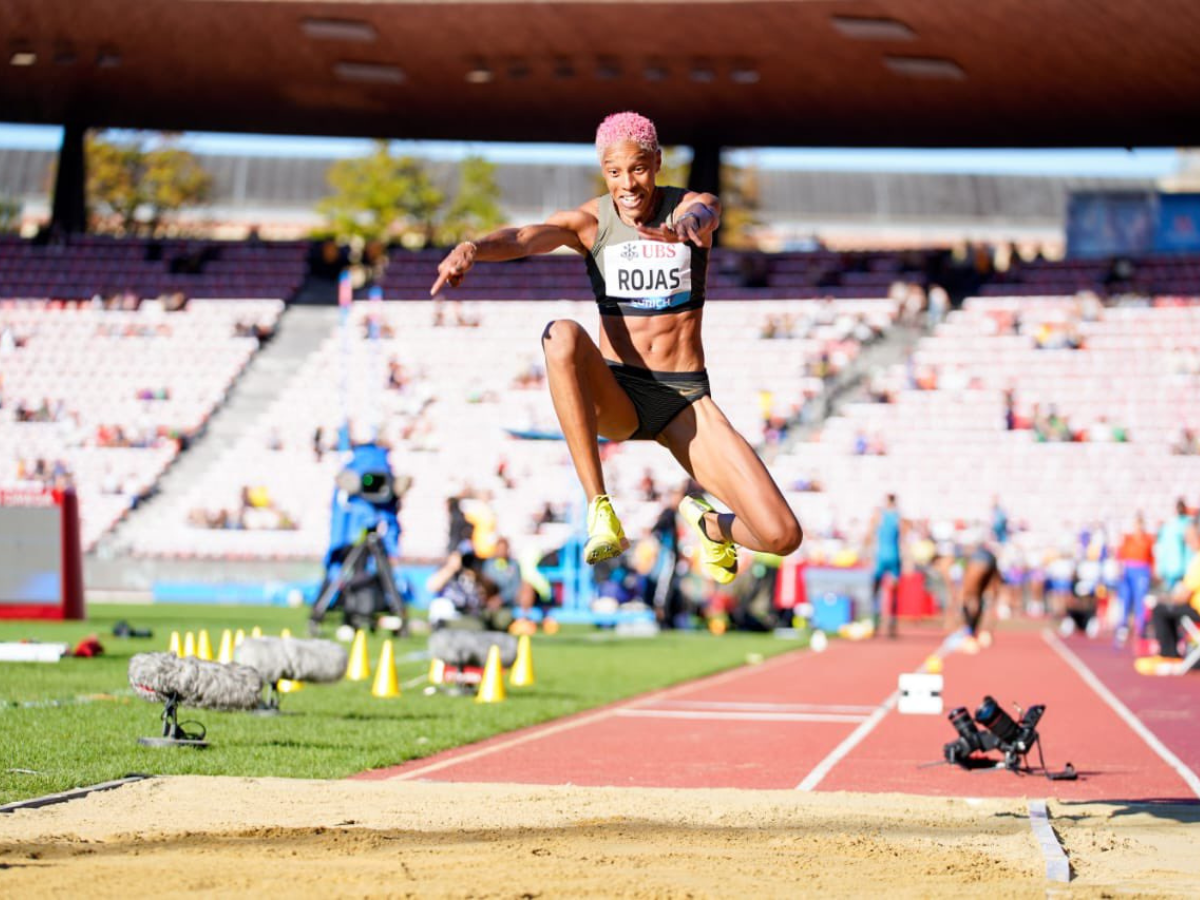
x: 626, y: 126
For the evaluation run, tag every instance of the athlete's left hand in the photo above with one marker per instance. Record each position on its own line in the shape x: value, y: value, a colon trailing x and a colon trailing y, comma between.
x: 687, y: 228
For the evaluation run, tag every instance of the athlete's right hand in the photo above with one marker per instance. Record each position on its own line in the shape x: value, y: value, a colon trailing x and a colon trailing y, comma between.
x: 454, y: 267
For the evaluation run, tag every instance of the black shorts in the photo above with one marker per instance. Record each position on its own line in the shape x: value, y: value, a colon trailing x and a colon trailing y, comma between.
x: 658, y: 397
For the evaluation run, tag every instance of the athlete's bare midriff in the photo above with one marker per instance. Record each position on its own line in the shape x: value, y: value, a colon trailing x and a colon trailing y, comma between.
x: 667, y: 342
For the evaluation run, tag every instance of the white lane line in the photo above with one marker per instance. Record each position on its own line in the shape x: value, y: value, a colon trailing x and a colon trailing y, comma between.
x: 541, y: 731
x: 1189, y: 777
x: 737, y: 716
x: 839, y: 752
x: 766, y: 707
x: 1058, y: 867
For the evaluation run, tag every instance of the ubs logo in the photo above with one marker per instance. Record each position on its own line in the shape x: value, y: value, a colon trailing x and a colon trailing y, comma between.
x: 629, y: 252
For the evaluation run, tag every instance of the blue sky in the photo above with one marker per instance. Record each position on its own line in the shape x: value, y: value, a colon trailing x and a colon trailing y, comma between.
x: 1144, y: 162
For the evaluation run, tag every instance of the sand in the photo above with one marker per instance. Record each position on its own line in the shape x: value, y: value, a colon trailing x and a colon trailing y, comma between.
x: 279, y: 837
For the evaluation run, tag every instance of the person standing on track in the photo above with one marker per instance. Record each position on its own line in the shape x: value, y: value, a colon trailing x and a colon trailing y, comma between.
x: 888, y: 529
x: 646, y: 248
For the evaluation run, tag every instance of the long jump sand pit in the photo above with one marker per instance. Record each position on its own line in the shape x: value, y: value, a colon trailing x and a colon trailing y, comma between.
x: 278, y: 837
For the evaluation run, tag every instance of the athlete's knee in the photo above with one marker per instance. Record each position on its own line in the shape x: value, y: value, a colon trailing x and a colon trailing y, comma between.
x: 783, y: 535
x: 561, y: 339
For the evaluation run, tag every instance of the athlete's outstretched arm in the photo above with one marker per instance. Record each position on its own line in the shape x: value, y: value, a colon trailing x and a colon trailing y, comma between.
x: 696, y: 217
x: 560, y: 230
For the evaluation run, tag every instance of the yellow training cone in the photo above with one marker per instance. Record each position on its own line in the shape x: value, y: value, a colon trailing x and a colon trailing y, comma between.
x: 189, y: 644
x: 437, y: 671
x: 491, y: 687
x: 225, y: 653
x: 284, y: 686
x: 359, y: 667
x: 204, y: 645
x: 255, y: 631
x: 522, y: 670
x: 285, y: 633
x: 175, y: 646
x: 238, y: 637
x: 386, y: 684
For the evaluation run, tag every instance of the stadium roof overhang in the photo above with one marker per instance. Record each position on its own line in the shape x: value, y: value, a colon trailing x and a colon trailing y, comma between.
x: 870, y: 73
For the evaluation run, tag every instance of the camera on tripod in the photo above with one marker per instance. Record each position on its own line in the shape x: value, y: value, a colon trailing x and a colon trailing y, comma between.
x: 364, y: 537
x: 1012, y: 738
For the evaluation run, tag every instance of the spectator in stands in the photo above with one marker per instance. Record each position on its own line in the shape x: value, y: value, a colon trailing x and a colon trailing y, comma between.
x: 1186, y: 444
x: 647, y: 488
x: 999, y: 522
x: 939, y: 305
x: 647, y: 250
x: 1184, y: 603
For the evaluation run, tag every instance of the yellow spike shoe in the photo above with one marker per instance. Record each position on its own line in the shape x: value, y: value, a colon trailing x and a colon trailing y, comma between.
x: 606, y: 538
x: 719, y: 557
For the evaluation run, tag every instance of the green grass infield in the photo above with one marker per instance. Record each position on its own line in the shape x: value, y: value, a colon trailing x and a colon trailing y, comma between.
x: 76, y: 722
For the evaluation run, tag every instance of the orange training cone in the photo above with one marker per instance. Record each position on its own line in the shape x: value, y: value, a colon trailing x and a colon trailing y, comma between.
x: 491, y: 686
x: 359, y: 667
x: 189, y: 644
x: 204, y: 645
x: 225, y: 653
x: 522, y: 670
x: 386, y: 684
x: 176, y: 646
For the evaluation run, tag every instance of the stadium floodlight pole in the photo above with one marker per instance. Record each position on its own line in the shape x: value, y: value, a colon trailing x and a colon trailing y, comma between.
x: 345, y: 300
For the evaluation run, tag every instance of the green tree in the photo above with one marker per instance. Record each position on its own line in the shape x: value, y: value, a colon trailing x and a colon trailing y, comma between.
x: 740, y: 199
x: 380, y: 196
x: 134, y: 185
x: 475, y: 210
x: 10, y: 213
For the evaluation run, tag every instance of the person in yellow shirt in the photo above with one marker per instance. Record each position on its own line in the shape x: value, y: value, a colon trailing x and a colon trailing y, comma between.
x: 1184, y: 603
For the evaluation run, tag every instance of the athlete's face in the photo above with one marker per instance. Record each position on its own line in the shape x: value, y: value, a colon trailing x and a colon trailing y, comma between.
x: 629, y: 172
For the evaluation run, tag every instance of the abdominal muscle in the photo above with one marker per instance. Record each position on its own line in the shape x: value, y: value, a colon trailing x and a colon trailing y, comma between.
x: 664, y: 343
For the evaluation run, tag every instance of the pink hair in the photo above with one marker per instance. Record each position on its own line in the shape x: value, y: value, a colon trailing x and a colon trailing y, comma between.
x: 626, y: 126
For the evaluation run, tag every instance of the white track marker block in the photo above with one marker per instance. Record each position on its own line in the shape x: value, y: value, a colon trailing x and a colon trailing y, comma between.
x: 920, y: 694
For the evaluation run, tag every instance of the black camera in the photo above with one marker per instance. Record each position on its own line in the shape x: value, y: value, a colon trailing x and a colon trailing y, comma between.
x: 1014, y: 739
x: 970, y: 739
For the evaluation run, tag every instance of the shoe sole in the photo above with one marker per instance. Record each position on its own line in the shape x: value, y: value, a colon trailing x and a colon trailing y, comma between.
x: 606, y: 550
x: 725, y: 576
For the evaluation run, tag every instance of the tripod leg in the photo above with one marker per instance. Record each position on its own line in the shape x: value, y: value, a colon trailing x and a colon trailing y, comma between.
x: 383, y: 569
x: 333, y: 587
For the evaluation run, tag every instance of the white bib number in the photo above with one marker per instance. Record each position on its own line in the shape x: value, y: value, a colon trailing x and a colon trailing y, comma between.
x: 649, y: 274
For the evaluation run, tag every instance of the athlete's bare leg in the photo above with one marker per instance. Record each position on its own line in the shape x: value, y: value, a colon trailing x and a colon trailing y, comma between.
x: 725, y: 464
x: 587, y: 399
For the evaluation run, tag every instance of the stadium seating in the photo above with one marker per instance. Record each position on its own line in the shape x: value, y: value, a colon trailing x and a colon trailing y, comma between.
x: 949, y: 452
x: 85, y: 266
x: 466, y: 388
x: 110, y: 394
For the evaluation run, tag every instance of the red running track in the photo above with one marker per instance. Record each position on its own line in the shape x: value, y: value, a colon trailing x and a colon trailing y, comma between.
x: 827, y: 722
